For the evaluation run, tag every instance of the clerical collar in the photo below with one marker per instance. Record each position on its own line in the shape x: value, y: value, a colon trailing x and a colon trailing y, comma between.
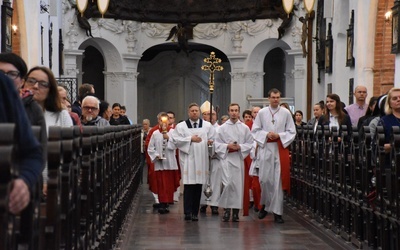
x: 197, y: 121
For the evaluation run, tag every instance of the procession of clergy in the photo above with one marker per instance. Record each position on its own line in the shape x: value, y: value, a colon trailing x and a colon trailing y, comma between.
x: 244, y: 156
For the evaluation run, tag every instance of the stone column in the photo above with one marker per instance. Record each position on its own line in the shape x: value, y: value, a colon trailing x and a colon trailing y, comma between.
x: 71, y: 67
x: 121, y: 87
x: 238, y: 84
x: 297, y: 80
x: 364, y: 51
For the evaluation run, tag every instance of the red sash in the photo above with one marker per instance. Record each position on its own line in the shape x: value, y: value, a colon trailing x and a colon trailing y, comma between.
x: 284, y: 158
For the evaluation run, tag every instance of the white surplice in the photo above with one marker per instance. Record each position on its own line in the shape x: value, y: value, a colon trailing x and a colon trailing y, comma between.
x: 215, y: 179
x: 233, y: 162
x: 193, y: 157
x: 156, y: 148
x: 268, y: 154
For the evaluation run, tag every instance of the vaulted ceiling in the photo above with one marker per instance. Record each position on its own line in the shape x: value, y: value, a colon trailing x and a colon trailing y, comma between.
x: 189, y: 11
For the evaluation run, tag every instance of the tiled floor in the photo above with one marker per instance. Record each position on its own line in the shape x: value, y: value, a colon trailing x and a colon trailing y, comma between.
x: 152, y: 231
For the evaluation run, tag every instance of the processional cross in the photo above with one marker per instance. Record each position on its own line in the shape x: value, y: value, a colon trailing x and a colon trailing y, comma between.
x: 212, y: 66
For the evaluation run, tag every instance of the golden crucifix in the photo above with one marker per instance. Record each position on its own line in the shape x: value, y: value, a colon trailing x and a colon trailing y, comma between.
x: 212, y: 61
x: 211, y: 66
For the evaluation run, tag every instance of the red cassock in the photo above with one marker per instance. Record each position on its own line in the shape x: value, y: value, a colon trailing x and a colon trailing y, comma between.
x: 250, y: 182
x: 155, y: 179
x: 151, y: 174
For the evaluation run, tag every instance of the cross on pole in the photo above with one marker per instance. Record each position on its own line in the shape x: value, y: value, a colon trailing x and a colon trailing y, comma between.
x: 212, y: 66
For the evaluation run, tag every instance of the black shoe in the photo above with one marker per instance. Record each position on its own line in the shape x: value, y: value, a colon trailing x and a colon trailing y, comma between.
x: 203, y: 209
x: 166, y: 210
x: 214, y: 210
x: 278, y: 219
x: 262, y: 214
x: 162, y: 210
x: 251, y: 204
x: 256, y: 209
x: 235, y: 215
x: 227, y: 214
x: 156, y: 205
x: 188, y: 217
x: 194, y: 217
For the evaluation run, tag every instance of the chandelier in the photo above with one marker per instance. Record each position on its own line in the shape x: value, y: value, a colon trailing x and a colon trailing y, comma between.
x: 288, y: 5
x: 101, y: 4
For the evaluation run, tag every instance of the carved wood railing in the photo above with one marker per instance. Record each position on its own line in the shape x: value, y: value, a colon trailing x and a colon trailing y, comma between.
x: 93, y: 178
x: 331, y: 183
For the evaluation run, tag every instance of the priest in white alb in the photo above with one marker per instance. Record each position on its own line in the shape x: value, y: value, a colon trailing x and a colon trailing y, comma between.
x: 233, y: 144
x: 274, y: 130
x: 192, y: 137
x: 215, y: 171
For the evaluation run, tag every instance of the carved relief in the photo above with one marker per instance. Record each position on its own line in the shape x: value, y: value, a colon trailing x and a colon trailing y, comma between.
x: 238, y: 75
x: 297, y: 73
x: 131, y: 27
x: 255, y: 76
x: 296, y: 36
x: 209, y: 31
x: 115, y: 26
x: 160, y: 30
x: 72, y: 71
x: 72, y: 33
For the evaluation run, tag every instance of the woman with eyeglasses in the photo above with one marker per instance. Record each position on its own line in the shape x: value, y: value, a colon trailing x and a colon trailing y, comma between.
x: 40, y: 80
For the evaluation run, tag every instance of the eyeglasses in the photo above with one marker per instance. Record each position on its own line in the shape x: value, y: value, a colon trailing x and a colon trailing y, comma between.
x: 32, y: 81
x: 13, y: 74
x: 89, y: 108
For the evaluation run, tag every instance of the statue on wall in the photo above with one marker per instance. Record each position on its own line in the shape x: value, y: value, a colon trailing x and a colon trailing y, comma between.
x: 304, y: 34
x: 182, y: 32
x: 286, y: 19
x: 84, y: 24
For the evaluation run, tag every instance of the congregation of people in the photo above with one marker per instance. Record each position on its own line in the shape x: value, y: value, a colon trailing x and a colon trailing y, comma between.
x: 34, y: 97
x: 240, y: 163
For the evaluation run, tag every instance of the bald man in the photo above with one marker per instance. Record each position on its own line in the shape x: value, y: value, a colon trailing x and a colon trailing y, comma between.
x: 359, y: 108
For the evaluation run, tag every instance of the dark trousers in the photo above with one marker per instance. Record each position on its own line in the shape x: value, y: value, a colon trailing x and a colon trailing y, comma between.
x: 191, y: 198
x: 142, y: 164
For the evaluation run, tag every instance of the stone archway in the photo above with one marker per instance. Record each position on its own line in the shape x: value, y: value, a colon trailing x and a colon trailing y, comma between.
x: 258, y: 58
x: 171, y: 80
x: 99, y: 56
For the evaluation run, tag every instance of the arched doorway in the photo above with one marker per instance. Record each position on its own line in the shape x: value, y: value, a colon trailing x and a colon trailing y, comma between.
x: 92, y: 68
x: 274, y: 68
x: 169, y: 80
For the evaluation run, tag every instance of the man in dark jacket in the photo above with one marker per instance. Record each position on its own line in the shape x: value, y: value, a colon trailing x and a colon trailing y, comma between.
x: 84, y: 90
x: 28, y: 160
x: 90, y: 113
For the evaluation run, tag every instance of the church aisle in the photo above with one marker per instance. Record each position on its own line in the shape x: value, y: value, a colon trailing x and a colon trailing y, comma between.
x: 153, y: 231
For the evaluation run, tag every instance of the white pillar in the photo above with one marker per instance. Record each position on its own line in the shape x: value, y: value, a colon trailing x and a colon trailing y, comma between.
x: 238, y: 85
x: 297, y: 80
x: 71, y: 59
x: 397, y: 71
x: 364, y: 51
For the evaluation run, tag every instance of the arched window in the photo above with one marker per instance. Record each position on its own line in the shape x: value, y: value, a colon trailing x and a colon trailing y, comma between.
x: 274, y: 68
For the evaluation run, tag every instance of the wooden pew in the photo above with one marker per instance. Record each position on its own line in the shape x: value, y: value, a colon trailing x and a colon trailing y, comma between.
x: 7, y: 239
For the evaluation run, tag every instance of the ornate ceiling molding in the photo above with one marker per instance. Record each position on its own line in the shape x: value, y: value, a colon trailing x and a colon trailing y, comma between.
x: 191, y: 11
